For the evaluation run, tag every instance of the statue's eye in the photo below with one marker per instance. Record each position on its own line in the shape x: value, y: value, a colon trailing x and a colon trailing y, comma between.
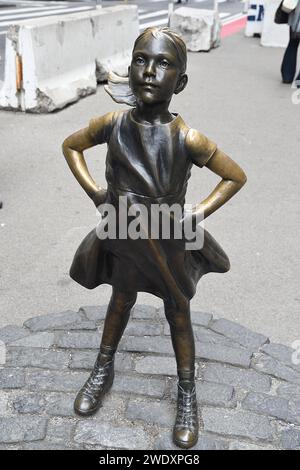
x: 164, y: 64
x: 140, y: 61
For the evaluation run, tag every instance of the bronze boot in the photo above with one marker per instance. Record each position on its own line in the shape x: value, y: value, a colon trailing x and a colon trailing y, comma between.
x: 186, y: 428
x: 89, y: 398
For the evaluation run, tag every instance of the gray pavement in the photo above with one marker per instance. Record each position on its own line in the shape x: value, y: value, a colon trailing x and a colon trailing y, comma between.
x: 235, y: 97
x: 247, y: 388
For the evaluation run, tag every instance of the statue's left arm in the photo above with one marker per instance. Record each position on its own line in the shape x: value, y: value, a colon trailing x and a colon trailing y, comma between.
x: 205, y: 153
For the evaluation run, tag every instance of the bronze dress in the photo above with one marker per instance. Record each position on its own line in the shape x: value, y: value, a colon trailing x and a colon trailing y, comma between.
x: 147, y: 164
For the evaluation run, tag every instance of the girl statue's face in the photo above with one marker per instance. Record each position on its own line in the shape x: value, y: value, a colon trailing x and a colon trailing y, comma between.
x: 155, y: 71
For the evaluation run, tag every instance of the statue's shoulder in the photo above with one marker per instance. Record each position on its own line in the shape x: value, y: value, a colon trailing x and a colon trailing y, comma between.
x: 101, y: 127
x: 199, y: 147
x: 108, y: 119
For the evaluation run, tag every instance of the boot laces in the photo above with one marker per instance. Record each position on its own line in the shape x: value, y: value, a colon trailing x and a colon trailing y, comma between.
x: 96, y: 379
x: 186, y: 407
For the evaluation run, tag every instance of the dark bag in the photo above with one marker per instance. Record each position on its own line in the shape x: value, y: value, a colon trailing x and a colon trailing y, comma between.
x: 281, y: 17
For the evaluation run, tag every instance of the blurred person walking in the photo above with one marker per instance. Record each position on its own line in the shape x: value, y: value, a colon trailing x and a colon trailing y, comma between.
x: 289, y: 63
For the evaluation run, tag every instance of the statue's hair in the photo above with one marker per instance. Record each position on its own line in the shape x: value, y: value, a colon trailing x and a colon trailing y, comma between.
x: 119, y: 89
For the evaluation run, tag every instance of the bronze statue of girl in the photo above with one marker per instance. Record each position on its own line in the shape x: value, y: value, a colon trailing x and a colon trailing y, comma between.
x: 149, y: 159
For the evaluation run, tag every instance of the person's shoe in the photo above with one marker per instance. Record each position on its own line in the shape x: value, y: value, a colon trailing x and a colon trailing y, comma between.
x: 89, y: 397
x: 186, y: 428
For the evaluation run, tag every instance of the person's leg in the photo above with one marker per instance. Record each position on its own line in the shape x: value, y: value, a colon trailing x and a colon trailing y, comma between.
x: 298, y: 76
x: 289, y: 62
x: 185, y: 432
x: 89, y: 398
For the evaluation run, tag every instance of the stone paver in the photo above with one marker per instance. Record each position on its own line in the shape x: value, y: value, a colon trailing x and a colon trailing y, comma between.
x: 248, y: 389
x: 4, y: 400
x: 29, y: 403
x: 53, y: 321
x: 290, y: 439
x: 156, y: 365
x: 205, y: 442
x: 12, y: 333
x: 282, y: 353
x: 124, y: 437
x: 86, y: 360
x: 240, y: 445
x: 38, y: 340
x: 239, y: 378
x: 147, y: 345
x: 22, y: 429
x: 267, y: 405
x: 211, y: 394
x: 140, y: 385
x: 12, y: 378
x: 204, y: 335
x: 60, y: 430
x: 239, y: 334
x: 142, y: 328
x: 221, y: 353
x: 55, y: 381
x: 201, y: 318
x: 151, y: 412
x: 289, y: 391
x: 94, y: 313
x: 60, y: 404
x: 144, y: 312
x: 237, y: 423
x: 78, y: 340
x: 35, y: 357
x: 276, y: 368
x: 294, y: 412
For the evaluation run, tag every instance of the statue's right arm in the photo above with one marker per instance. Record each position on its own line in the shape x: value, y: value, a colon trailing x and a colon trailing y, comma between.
x: 73, y: 148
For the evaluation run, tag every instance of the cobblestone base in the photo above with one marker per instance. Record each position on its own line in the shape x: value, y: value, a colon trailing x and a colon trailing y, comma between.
x: 248, y: 389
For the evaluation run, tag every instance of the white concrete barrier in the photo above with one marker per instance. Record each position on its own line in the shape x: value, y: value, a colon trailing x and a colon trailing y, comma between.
x: 275, y: 35
x: 58, y: 56
x: 114, y: 35
x: 255, y: 17
x: 199, y: 28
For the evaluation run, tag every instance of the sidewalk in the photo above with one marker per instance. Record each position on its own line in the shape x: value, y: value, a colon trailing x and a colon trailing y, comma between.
x: 236, y: 98
x: 248, y: 389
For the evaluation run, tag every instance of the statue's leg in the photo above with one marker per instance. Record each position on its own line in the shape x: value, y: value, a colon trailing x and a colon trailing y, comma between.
x: 185, y: 432
x: 89, y: 398
x: 116, y: 320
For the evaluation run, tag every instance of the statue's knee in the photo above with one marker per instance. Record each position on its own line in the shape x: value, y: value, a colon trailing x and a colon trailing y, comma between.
x: 123, y: 301
x: 174, y: 307
x: 177, y: 315
x: 130, y: 300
